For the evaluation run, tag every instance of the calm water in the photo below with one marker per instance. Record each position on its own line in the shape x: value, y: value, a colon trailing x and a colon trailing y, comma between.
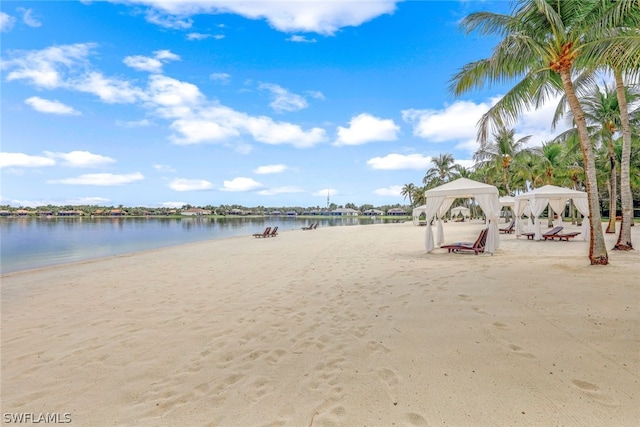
x: 27, y: 243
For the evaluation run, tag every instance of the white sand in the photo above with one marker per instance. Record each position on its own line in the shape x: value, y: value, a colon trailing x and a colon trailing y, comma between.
x: 344, y: 326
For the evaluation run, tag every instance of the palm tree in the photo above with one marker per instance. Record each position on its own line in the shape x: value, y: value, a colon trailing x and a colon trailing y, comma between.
x: 443, y: 170
x: 544, y: 42
x: 500, y: 153
x: 407, y: 191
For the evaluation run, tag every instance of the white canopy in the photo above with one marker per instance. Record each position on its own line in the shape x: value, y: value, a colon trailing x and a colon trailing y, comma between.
x: 439, y: 200
x: 556, y: 197
x: 507, y: 201
x: 460, y: 210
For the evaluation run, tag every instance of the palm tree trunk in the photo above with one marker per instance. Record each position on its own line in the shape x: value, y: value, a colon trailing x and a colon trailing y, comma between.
x: 613, y: 191
x: 597, y: 249
x: 626, y: 198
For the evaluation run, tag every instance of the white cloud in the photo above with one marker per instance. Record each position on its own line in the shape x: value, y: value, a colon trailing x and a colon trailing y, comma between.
x: 326, y: 192
x: 46, y: 68
x: 24, y: 160
x: 198, y: 36
x: 53, y: 107
x: 325, y: 17
x: 133, y: 123
x: 174, y: 205
x: 300, y: 39
x: 164, y: 168
x: 394, y: 190
x: 268, y: 169
x: 182, y: 184
x: 221, y: 77
x: 365, y: 128
x: 466, y: 163
x: 109, y: 90
x: 27, y: 17
x: 168, y: 92
x: 241, y: 184
x: 166, y: 55
x: 100, y: 179
x: 219, y: 124
x: 81, y: 159
x: 282, y: 99
x: 143, y: 63
x: 152, y: 65
x: 280, y: 190
x: 400, y: 161
x: 456, y: 122
x: 6, y: 22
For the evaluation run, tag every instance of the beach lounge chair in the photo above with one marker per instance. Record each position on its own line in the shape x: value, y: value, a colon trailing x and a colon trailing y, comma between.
x: 265, y: 233
x: 510, y: 228
x: 274, y: 232
x: 476, y: 247
x: 310, y: 227
x: 565, y: 236
x: 547, y: 235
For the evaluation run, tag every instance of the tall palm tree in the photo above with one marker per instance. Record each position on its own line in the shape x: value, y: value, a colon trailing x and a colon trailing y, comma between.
x: 544, y: 42
x: 500, y: 153
x: 443, y: 170
x: 407, y: 192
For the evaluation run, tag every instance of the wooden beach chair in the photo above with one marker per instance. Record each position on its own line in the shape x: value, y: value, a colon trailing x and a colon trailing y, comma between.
x: 265, y: 233
x: 547, y: 235
x: 565, y: 236
x: 510, y: 228
x: 476, y: 247
x: 274, y: 232
x: 309, y: 227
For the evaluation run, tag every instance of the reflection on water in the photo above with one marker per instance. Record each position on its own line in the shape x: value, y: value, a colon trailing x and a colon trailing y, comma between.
x: 37, y: 242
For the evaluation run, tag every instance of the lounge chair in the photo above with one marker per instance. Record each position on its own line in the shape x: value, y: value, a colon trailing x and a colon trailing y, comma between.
x: 274, y: 232
x: 310, y: 227
x: 565, y: 236
x: 476, y: 247
x: 315, y: 226
x: 547, y: 235
x: 510, y: 228
x: 265, y: 233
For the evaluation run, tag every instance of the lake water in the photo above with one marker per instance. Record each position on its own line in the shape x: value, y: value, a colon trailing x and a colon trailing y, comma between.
x: 27, y: 243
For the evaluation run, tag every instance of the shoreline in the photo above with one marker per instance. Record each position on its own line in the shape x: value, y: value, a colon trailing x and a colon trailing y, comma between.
x: 335, y: 326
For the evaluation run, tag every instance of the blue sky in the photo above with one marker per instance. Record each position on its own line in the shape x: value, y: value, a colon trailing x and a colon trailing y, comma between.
x: 150, y: 103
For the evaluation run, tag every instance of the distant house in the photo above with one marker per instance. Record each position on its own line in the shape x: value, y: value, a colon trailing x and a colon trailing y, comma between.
x: 275, y: 213
x: 236, y: 212
x: 195, y: 212
x: 44, y: 213
x: 21, y: 212
x: 5, y: 213
x: 98, y: 212
x: 344, y: 212
x: 117, y: 212
x: 396, y: 212
x: 291, y: 213
x: 70, y: 213
x: 373, y: 212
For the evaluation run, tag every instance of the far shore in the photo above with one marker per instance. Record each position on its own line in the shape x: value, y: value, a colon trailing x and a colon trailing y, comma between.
x: 337, y: 326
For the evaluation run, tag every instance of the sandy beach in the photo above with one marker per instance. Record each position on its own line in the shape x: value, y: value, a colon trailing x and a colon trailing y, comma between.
x: 339, y: 326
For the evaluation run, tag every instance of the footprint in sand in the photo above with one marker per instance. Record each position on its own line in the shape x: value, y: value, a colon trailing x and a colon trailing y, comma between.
x: 518, y: 350
x: 388, y: 376
x: 594, y: 391
x: 500, y: 325
x: 416, y: 419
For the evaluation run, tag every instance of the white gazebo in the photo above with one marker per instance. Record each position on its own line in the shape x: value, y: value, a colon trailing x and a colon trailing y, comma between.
x: 465, y: 212
x: 556, y: 197
x: 439, y: 200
